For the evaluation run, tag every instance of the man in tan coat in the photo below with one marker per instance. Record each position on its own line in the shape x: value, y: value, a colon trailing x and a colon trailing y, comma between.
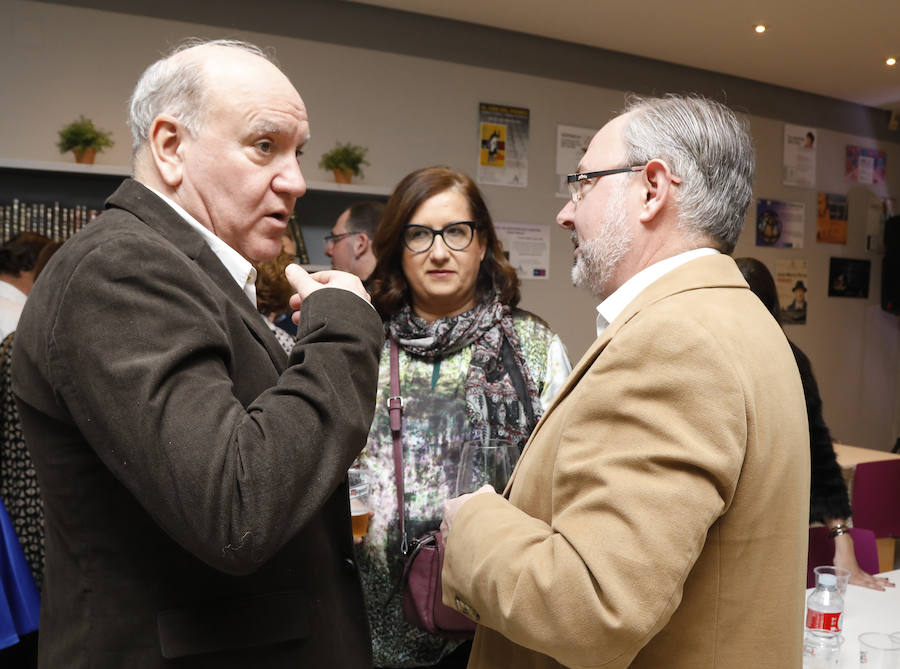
x: 658, y: 515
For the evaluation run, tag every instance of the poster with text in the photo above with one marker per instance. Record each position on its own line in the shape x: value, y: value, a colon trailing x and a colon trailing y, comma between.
x: 571, y: 144
x: 848, y: 277
x: 527, y: 247
x: 865, y: 166
x: 502, y: 145
x: 790, y: 282
x: 780, y: 224
x: 831, y: 219
x: 799, y: 156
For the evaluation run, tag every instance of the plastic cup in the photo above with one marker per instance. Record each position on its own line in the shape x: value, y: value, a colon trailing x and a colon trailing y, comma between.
x: 878, y: 650
x: 359, y: 502
x: 842, y: 575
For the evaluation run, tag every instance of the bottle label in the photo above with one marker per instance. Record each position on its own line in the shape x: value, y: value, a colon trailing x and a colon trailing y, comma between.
x: 820, y: 620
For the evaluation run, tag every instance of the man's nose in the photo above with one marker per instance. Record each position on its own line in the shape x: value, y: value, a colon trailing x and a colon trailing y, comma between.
x: 565, y: 217
x: 289, y: 179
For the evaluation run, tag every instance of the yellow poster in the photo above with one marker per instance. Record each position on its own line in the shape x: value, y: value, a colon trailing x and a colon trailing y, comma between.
x: 493, y: 144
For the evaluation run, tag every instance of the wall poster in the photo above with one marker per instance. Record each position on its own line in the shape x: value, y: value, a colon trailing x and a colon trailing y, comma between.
x: 831, y: 219
x: 780, y: 224
x: 790, y: 282
x: 502, y: 145
x: 527, y: 247
x: 848, y: 277
x: 799, y: 156
x: 571, y: 145
x: 865, y: 166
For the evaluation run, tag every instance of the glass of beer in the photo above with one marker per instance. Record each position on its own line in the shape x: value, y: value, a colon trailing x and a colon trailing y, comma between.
x: 359, y: 502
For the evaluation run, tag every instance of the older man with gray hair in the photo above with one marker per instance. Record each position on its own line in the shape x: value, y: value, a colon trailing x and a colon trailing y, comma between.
x: 658, y: 514
x: 193, y: 474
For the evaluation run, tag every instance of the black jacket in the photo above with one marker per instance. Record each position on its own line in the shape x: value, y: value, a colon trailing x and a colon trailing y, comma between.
x: 828, y: 491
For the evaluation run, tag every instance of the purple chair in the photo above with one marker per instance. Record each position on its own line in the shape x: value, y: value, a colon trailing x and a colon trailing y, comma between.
x: 821, y: 550
x: 876, y: 497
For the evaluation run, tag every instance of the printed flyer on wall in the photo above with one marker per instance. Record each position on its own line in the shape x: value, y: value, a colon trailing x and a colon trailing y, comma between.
x: 799, y: 156
x: 790, y: 283
x: 831, y: 219
x: 780, y: 224
x: 527, y: 247
x: 571, y: 144
x: 502, y: 145
x: 865, y: 166
x: 848, y: 277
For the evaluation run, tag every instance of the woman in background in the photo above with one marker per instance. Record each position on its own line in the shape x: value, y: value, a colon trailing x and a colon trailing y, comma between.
x: 471, y: 365
x: 829, y: 502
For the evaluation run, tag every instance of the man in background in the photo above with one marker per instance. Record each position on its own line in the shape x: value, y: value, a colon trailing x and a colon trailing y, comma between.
x: 193, y: 473
x: 350, y: 243
x: 658, y: 514
x: 17, y: 259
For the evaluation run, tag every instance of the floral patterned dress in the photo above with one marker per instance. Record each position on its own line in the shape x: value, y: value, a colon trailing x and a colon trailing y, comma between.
x: 434, y: 427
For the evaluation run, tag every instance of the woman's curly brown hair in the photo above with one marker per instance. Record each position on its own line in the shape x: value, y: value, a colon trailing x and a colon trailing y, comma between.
x: 388, y: 284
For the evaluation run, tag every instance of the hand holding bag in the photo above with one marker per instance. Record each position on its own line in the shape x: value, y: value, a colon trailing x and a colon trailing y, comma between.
x: 424, y: 557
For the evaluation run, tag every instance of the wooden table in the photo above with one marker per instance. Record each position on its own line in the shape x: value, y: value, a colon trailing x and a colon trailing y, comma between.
x: 850, y: 456
x: 867, y: 610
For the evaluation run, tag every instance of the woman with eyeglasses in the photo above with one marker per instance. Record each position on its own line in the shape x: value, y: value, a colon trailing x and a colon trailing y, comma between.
x: 471, y: 366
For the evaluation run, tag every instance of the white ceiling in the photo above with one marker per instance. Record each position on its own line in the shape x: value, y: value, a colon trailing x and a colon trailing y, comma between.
x: 835, y: 48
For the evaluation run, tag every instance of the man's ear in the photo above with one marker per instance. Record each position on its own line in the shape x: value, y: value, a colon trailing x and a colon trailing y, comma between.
x: 658, y: 193
x: 166, y: 143
x: 361, y: 244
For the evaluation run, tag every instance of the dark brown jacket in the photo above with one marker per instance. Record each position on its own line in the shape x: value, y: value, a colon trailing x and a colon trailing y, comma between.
x: 194, y: 478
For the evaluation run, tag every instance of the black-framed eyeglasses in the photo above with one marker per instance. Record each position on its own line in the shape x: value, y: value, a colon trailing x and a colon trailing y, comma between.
x: 332, y: 239
x: 577, y: 181
x: 457, y: 236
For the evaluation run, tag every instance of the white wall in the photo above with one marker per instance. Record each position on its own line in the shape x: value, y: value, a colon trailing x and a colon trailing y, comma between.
x: 61, y: 61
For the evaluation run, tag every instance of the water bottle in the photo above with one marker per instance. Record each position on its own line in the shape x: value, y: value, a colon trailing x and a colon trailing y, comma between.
x: 824, y: 609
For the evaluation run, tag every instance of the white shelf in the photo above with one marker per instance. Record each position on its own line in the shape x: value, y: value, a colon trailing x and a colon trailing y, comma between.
x: 119, y: 170
x: 363, y: 189
x: 72, y: 168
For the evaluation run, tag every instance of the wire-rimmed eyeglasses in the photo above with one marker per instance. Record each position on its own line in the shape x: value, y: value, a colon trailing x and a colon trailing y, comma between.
x: 457, y: 236
x: 333, y: 239
x: 577, y: 181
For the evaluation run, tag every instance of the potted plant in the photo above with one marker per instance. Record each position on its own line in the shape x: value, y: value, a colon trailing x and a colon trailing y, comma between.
x: 345, y: 161
x: 83, y: 139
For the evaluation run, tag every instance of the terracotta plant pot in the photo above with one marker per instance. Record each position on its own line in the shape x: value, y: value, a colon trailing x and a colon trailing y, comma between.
x: 85, y: 156
x: 343, y: 176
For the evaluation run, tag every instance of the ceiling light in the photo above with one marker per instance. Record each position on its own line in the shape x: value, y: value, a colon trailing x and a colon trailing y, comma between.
x: 891, y: 61
x: 760, y: 29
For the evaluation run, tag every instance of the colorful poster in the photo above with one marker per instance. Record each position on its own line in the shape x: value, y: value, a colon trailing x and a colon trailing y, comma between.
x: 865, y: 166
x: 780, y: 224
x: 799, y: 156
x: 831, y: 219
x: 502, y: 145
x: 848, y: 277
x: 790, y: 282
x: 527, y: 247
x: 571, y: 144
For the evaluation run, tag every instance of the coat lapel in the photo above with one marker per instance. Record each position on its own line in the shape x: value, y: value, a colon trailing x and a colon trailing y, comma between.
x: 156, y: 214
x: 705, y: 272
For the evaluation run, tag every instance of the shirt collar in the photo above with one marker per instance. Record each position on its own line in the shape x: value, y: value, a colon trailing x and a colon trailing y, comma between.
x: 243, y: 273
x: 610, y: 308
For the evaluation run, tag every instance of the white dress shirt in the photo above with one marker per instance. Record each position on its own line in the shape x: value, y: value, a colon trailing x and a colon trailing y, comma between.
x: 237, y: 265
x: 12, y: 301
x: 615, y: 304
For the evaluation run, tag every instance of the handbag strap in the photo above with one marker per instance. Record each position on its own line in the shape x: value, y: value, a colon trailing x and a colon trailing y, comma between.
x: 395, y: 411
